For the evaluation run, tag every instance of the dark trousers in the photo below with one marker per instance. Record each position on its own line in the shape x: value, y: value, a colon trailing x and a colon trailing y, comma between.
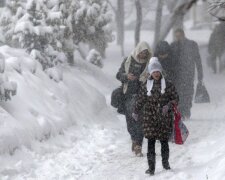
x: 212, y: 61
x: 186, y: 97
x: 134, y: 127
x: 151, y: 151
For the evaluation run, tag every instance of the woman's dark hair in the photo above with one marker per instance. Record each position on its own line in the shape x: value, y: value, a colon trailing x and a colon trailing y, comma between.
x: 162, y: 48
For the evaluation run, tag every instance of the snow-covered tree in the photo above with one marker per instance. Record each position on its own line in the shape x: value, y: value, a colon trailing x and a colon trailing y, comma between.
x: 50, y: 30
x: 57, y: 20
x: 13, y: 10
x: 33, y: 33
x: 92, y: 24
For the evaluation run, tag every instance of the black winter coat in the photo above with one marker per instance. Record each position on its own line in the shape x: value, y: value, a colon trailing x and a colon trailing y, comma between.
x: 186, y: 57
x: 136, y: 69
x: 216, y: 45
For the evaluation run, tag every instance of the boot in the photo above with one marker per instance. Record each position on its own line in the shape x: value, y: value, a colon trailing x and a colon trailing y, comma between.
x: 151, y: 164
x: 150, y: 172
x: 165, y: 155
x: 166, y: 165
x: 134, y: 143
x: 138, y: 151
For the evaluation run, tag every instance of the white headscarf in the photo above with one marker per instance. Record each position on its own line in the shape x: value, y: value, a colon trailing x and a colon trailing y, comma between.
x: 154, y: 65
x: 141, y: 47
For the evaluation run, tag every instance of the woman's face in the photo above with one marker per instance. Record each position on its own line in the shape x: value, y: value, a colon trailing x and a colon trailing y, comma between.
x: 143, y: 54
x: 156, y: 75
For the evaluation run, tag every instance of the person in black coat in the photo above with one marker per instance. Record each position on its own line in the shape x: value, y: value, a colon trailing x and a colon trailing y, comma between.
x: 164, y: 53
x: 216, y: 47
x: 186, y: 58
x: 132, y: 73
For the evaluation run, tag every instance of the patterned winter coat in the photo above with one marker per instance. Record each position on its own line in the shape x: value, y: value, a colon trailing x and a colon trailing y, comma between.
x: 155, y: 124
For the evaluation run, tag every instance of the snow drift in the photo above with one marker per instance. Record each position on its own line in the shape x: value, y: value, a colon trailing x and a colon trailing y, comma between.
x: 43, y: 107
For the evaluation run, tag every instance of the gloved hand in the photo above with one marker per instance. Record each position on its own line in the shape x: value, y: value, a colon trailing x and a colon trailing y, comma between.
x: 165, y: 110
x: 135, y: 116
x: 167, y: 107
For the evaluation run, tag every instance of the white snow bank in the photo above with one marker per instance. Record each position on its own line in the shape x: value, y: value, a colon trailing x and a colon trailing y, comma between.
x: 55, y: 74
x: 43, y: 107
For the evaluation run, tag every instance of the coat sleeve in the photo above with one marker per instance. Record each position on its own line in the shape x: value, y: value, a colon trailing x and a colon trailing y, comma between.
x: 175, y: 59
x: 198, y: 61
x: 141, y: 99
x: 174, y: 97
x: 121, y: 75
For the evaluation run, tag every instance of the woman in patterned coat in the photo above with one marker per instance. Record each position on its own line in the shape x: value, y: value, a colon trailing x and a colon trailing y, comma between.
x: 156, y: 98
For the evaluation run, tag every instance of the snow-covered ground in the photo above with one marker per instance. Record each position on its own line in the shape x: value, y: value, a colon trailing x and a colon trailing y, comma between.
x: 68, y: 131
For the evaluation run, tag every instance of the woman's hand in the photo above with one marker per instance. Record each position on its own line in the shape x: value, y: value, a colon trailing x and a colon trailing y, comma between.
x: 131, y: 77
x: 165, y: 110
x: 167, y: 107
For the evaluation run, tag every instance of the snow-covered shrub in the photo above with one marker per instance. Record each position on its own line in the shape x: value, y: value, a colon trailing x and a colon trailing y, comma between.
x: 13, y: 63
x: 44, y: 60
x: 95, y: 58
x: 55, y: 73
x: 7, y: 88
x: 29, y: 64
x: 2, y: 63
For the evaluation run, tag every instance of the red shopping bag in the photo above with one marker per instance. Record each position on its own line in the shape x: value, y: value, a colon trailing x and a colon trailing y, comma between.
x: 180, y: 132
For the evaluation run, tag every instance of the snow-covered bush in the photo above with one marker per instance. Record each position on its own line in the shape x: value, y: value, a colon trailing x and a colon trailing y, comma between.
x: 55, y: 74
x: 48, y: 28
x: 29, y: 64
x: 2, y: 63
x: 7, y: 88
x: 95, y: 58
x: 13, y: 63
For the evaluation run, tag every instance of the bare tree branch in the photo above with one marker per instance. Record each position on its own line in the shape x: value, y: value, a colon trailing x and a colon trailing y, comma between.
x: 181, y: 9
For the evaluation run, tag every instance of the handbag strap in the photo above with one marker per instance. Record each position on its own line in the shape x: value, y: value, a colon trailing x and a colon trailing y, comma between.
x: 176, y: 111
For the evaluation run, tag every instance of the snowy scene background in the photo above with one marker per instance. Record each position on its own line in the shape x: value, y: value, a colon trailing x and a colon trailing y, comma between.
x: 57, y: 71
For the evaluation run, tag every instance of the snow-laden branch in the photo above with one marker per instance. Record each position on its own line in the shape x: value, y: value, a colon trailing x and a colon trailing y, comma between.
x: 217, y: 9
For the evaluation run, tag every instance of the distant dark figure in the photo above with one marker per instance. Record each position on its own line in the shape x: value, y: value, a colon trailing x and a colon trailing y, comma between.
x: 132, y: 73
x: 186, y: 58
x: 216, y: 47
x: 164, y: 53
